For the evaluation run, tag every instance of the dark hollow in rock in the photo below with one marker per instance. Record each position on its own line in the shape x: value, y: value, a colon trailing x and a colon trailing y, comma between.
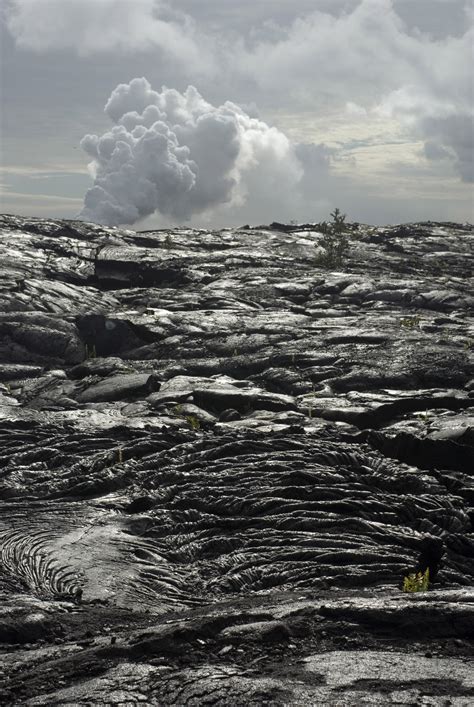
x: 140, y: 505
x: 106, y: 336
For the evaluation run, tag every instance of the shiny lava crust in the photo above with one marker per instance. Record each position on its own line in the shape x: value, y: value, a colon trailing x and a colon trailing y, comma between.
x: 219, y: 460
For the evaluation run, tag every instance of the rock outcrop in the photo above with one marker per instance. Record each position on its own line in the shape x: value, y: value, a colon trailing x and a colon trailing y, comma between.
x: 219, y: 459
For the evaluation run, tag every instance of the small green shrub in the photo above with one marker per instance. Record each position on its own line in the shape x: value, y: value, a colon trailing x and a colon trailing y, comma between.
x: 91, y: 351
x: 193, y: 422
x: 338, y: 221
x: 426, y: 417
x: 417, y: 582
x: 335, y: 240
x: 410, y: 322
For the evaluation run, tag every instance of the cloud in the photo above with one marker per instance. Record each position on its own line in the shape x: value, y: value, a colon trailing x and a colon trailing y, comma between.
x: 177, y: 154
x: 322, y: 56
x: 368, y: 61
x: 98, y: 26
x: 451, y: 138
x: 306, y: 64
x: 437, y: 106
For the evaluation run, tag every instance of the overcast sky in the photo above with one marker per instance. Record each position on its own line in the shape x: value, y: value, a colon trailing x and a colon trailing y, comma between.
x: 295, y: 107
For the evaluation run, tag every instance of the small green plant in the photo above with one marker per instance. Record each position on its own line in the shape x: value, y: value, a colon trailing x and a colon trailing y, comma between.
x: 410, y: 322
x: 91, y: 351
x: 335, y: 240
x: 115, y: 457
x: 323, y: 227
x: 193, y: 422
x: 338, y: 221
x: 426, y: 417
x: 417, y: 582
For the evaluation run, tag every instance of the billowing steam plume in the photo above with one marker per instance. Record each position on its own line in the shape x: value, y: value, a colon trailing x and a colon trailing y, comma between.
x: 179, y: 155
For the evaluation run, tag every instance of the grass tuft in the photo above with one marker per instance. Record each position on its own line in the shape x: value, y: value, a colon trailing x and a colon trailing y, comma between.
x: 417, y: 582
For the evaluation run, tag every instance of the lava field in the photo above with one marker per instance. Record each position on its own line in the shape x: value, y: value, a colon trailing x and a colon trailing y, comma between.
x: 219, y: 459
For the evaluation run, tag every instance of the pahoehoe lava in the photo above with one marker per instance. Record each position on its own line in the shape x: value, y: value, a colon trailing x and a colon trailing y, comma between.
x: 219, y: 459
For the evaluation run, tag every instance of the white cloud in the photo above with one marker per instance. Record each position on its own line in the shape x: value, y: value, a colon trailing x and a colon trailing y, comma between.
x: 452, y: 138
x: 355, y: 111
x: 98, y: 26
x: 179, y: 155
x: 322, y: 57
x: 438, y: 105
x: 370, y: 63
x: 366, y: 61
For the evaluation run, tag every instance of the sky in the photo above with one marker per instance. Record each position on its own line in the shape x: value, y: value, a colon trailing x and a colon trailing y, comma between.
x: 216, y: 113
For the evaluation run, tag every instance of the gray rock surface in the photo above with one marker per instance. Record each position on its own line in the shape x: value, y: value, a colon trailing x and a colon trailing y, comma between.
x: 219, y: 460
